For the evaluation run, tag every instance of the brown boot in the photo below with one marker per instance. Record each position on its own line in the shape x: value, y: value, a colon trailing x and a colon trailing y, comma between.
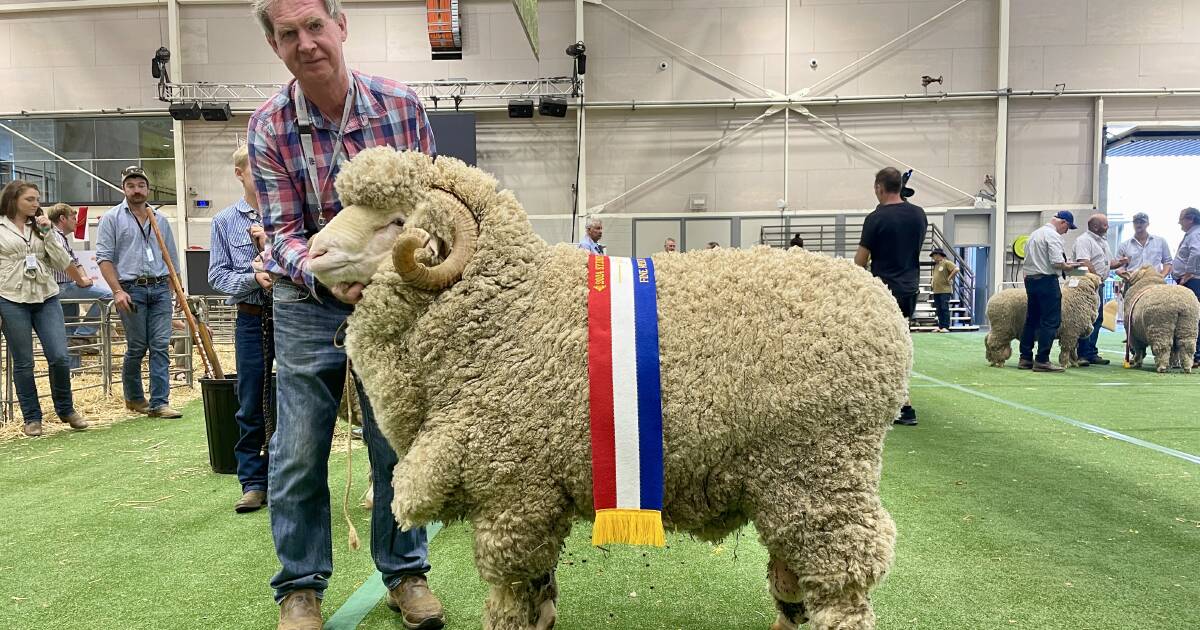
x: 75, y: 420
x: 300, y: 610
x: 419, y: 608
x: 33, y: 429
x: 139, y: 406
x: 251, y: 500
x: 164, y: 411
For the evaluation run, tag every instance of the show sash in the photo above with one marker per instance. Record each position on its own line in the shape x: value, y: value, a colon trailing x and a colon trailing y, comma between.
x: 626, y: 401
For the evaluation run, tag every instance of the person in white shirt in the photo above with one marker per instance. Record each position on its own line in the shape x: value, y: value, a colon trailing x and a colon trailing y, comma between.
x: 1144, y: 249
x: 1092, y: 251
x: 1044, y: 260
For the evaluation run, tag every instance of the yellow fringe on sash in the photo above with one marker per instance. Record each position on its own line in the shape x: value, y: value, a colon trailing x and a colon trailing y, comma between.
x: 629, y: 527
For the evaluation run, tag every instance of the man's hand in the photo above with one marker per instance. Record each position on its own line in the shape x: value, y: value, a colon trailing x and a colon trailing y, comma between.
x: 264, y: 280
x: 259, y: 236
x: 85, y: 282
x: 348, y: 293
x: 123, y: 301
x: 257, y: 265
x: 1186, y: 278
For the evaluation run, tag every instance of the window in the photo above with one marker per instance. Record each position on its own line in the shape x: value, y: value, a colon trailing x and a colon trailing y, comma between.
x: 99, y: 146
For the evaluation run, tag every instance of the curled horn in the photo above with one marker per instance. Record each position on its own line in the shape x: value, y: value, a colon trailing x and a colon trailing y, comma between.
x: 448, y: 271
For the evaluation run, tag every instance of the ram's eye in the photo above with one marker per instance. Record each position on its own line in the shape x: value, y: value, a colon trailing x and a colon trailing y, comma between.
x: 399, y: 222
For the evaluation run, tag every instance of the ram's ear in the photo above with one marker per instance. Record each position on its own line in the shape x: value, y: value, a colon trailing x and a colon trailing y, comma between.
x: 384, y: 178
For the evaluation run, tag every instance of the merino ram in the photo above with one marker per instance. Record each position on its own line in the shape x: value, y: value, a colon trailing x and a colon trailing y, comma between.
x: 471, y: 340
x: 1006, y: 315
x: 1162, y: 317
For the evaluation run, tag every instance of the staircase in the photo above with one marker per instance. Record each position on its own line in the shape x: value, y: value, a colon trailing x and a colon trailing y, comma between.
x: 824, y: 239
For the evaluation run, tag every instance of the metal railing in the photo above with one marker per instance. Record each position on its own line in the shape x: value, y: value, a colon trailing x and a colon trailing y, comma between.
x: 108, y: 350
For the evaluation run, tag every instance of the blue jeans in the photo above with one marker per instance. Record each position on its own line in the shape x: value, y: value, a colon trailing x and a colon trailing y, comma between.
x: 311, y: 373
x: 72, y: 291
x: 19, y: 322
x: 1043, y: 316
x: 247, y: 343
x: 941, y: 302
x: 148, y: 329
x: 1194, y: 285
x: 1087, y: 345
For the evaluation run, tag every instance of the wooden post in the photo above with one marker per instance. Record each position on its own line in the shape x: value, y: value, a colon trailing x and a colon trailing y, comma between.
x: 200, y: 337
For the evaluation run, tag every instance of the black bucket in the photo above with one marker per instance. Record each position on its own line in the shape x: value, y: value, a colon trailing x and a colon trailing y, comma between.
x: 220, y: 419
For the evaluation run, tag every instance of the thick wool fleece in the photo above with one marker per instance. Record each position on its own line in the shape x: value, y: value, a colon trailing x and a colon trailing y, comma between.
x: 1162, y: 317
x: 1006, y: 315
x: 777, y: 394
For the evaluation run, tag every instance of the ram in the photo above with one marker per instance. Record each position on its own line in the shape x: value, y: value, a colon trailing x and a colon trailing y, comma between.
x: 781, y: 373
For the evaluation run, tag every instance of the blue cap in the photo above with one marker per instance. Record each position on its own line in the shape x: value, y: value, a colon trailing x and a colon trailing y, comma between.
x: 1066, y: 215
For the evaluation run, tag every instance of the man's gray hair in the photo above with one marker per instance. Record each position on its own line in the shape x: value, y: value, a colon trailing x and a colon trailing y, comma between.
x: 262, y: 10
x: 593, y: 222
x: 1192, y: 213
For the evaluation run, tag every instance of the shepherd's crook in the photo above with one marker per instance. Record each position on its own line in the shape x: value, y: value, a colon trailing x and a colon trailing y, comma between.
x: 200, y: 337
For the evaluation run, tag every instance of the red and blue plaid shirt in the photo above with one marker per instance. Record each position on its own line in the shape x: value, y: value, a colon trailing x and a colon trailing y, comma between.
x: 385, y: 113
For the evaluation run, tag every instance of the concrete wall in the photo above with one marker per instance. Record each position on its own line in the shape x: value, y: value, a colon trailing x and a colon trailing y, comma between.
x: 68, y: 60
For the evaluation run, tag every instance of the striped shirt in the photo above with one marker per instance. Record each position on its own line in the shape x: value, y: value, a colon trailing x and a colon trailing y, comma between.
x: 231, y: 252
x: 60, y: 276
x: 1187, y: 257
x: 1154, y: 254
x: 385, y: 113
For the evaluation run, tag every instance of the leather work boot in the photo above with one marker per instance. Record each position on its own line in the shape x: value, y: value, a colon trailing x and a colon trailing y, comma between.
x: 300, y: 610
x: 75, y: 420
x: 1025, y: 364
x: 1048, y: 367
x: 139, y: 406
x: 419, y: 608
x: 251, y: 500
x: 164, y: 411
x: 32, y: 429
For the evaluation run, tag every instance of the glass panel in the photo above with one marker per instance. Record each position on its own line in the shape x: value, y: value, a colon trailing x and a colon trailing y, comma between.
x: 158, y: 139
x: 110, y: 171
x: 75, y: 138
x: 162, y: 180
x: 117, y: 138
x: 74, y: 187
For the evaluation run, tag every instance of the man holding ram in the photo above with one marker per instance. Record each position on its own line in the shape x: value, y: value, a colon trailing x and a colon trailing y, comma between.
x: 298, y: 142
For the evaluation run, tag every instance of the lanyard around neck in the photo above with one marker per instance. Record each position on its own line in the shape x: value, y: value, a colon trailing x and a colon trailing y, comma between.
x: 28, y: 240
x: 304, y: 125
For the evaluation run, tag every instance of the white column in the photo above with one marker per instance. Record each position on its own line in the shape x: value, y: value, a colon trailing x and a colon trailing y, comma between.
x: 1000, y: 217
x: 581, y: 133
x: 181, y: 196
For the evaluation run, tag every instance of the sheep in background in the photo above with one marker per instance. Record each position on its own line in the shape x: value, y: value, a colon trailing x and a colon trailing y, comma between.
x: 1006, y: 315
x: 1162, y: 317
x: 471, y: 340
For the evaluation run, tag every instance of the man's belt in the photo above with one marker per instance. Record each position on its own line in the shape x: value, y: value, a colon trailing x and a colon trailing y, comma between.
x: 1039, y: 276
x: 250, y: 309
x: 144, y: 281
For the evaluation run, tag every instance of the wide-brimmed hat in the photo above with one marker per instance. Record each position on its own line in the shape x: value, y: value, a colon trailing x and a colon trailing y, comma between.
x: 937, y: 251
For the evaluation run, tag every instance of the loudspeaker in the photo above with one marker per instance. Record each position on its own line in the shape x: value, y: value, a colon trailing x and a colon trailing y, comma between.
x: 185, y: 111
x: 216, y: 112
x: 555, y: 107
x: 520, y: 109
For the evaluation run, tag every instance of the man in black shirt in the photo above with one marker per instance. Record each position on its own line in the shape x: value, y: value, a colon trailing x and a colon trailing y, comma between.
x: 892, y: 238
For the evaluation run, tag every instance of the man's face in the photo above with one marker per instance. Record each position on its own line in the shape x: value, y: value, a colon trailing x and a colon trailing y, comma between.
x: 67, y: 222
x: 1185, y: 222
x: 307, y: 40
x: 137, y: 190
x: 670, y: 246
x: 1060, y: 225
x: 595, y: 232
x: 1139, y: 227
x: 1100, y: 228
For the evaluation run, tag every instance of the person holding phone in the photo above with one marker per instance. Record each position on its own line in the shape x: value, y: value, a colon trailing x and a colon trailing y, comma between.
x: 29, y: 302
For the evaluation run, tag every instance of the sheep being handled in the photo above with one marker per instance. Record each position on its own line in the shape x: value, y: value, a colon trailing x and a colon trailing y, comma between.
x: 1162, y: 317
x: 781, y: 372
x: 1006, y: 315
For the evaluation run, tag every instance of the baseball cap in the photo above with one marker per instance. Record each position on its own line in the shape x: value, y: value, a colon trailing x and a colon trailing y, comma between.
x: 937, y: 251
x: 133, y: 171
x: 1141, y: 217
x: 1066, y: 215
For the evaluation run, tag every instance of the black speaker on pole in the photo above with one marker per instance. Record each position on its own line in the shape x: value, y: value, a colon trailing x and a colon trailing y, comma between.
x: 185, y: 111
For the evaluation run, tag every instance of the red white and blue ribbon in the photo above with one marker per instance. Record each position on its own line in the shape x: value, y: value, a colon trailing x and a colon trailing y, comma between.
x: 626, y: 401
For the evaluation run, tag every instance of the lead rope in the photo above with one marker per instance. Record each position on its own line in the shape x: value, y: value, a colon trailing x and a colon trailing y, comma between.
x: 350, y: 395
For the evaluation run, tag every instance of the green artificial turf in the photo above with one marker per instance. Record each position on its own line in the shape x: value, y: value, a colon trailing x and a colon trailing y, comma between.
x: 1008, y: 518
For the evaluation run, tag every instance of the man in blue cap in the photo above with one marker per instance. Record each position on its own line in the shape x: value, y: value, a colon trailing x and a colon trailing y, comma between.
x: 1045, y: 259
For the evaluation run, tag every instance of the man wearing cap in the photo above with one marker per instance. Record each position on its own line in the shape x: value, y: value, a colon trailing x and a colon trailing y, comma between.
x: 1091, y: 249
x: 1045, y: 259
x: 1185, y: 268
x: 133, y: 266
x: 1144, y: 249
x: 941, y: 281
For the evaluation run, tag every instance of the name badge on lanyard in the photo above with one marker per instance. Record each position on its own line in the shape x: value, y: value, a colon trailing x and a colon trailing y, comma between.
x: 149, y: 255
x: 31, y: 262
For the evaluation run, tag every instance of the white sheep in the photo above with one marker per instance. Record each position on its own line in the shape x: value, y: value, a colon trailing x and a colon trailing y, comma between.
x: 471, y: 340
x: 1162, y: 317
x: 1006, y: 316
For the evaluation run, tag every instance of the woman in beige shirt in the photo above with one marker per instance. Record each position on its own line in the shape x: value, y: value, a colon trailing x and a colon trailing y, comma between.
x: 29, y: 302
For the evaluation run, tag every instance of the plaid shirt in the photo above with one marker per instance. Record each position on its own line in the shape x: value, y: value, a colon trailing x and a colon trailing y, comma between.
x: 385, y: 113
